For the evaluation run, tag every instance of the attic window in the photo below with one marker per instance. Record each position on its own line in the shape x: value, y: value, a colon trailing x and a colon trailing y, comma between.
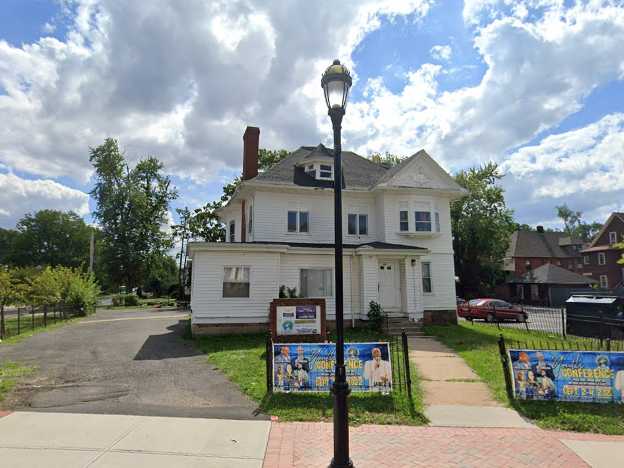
x: 326, y: 171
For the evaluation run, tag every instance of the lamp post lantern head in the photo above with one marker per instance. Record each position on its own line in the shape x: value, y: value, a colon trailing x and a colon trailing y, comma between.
x: 336, y: 82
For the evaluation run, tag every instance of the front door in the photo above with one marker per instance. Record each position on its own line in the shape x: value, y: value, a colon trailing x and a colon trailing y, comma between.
x: 389, y: 285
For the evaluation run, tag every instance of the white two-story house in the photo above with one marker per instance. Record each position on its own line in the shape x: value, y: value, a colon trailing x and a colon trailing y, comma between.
x: 280, y: 232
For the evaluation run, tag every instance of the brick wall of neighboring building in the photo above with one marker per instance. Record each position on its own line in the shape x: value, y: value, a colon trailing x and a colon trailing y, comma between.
x: 574, y: 264
x: 612, y: 271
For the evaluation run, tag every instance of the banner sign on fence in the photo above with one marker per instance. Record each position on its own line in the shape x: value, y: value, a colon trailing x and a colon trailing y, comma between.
x: 309, y: 367
x: 582, y: 376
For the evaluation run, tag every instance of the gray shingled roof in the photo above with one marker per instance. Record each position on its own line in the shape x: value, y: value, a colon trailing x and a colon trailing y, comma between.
x: 538, y: 244
x: 553, y: 274
x: 358, y: 172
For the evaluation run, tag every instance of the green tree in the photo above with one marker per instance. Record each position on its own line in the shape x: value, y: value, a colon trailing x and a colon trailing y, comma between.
x: 575, y: 226
x: 387, y: 159
x: 131, y: 207
x: 51, y: 237
x: 13, y: 290
x: 482, y: 225
x: 7, y: 244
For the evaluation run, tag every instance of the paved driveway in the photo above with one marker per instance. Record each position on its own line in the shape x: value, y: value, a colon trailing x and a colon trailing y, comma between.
x: 123, y: 362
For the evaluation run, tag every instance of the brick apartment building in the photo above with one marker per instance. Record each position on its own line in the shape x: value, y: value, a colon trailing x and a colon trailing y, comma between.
x: 600, y: 258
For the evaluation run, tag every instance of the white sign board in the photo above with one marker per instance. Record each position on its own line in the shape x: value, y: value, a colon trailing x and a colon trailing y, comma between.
x: 299, y: 320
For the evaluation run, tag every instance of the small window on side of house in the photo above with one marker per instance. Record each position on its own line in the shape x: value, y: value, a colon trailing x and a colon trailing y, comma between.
x: 250, y: 224
x: 604, y: 281
x: 426, y: 277
x: 292, y: 221
x: 363, y: 225
x: 403, y: 217
x: 232, y: 231
x: 304, y: 221
x: 236, y: 281
x: 602, y: 258
x: 613, y: 238
x: 586, y: 259
x: 352, y: 224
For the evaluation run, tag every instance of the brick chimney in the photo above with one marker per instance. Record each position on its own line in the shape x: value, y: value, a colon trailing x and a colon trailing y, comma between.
x: 251, y: 141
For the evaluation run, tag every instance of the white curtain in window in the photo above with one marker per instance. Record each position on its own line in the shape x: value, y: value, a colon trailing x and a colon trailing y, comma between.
x: 316, y: 283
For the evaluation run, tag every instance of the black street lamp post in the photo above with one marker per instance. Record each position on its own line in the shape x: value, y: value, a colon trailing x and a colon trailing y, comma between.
x: 336, y: 82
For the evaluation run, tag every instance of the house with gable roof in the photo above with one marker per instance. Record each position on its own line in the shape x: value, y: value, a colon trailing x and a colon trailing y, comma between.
x: 279, y: 232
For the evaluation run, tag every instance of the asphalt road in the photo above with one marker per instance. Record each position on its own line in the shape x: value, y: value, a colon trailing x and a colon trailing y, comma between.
x: 123, y: 362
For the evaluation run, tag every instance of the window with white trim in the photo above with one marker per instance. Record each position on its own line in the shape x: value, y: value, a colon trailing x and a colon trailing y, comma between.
x: 422, y: 221
x: 357, y: 224
x: 236, y: 281
x: 426, y: 277
x: 316, y: 282
x: 298, y: 221
x: 403, y: 217
x: 613, y: 238
x: 586, y: 259
x: 232, y: 231
x: 604, y: 281
x: 326, y: 171
x: 310, y: 170
x: 602, y: 258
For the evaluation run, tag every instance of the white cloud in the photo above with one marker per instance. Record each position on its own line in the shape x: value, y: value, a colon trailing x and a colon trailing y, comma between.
x: 179, y: 80
x: 19, y: 196
x: 441, y: 52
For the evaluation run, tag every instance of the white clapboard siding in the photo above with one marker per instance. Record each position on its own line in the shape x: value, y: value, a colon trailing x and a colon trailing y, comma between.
x: 443, y: 281
x: 207, y: 301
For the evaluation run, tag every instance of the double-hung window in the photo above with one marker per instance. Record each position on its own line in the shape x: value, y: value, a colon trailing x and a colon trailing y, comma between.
x: 586, y: 259
x: 604, y: 281
x: 426, y: 277
x: 298, y: 221
x: 602, y: 258
x: 357, y: 224
x: 316, y: 282
x: 236, y: 281
x: 422, y: 220
x: 613, y: 238
x: 325, y: 171
x: 232, y: 231
x: 403, y: 217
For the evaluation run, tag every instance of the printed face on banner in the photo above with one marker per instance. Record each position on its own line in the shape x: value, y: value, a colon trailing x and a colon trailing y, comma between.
x: 583, y: 376
x: 300, y: 367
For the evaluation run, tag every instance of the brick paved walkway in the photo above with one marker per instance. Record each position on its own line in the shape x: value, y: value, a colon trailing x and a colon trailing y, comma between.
x: 310, y: 445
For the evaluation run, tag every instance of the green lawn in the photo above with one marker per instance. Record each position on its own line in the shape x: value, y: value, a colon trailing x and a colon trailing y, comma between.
x: 9, y: 373
x: 477, y: 344
x: 242, y: 359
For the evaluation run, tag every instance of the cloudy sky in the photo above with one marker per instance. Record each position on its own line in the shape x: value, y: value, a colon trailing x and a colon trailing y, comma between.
x: 535, y: 85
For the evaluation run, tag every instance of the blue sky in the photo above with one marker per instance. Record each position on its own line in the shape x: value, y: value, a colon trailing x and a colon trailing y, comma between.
x: 538, y: 90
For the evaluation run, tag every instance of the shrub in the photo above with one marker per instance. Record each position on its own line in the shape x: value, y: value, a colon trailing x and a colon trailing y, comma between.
x: 132, y: 300
x: 375, y: 315
x: 125, y: 300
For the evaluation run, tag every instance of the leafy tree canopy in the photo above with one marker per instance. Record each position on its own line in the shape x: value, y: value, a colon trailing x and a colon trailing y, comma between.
x: 49, y: 238
x: 482, y: 225
x: 387, y: 159
x: 131, y: 208
x: 575, y: 226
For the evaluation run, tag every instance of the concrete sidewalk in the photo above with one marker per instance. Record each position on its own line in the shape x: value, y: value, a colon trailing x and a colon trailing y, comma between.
x: 86, y: 440
x: 454, y: 395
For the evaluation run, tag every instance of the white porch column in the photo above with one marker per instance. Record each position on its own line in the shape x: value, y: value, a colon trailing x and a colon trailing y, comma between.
x: 370, y: 283
x: 413, y: 288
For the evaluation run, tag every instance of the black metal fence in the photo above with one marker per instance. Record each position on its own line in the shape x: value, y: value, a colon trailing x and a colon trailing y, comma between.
x: 29, y: 318
x: 399, y: 357
x: 555, y: 321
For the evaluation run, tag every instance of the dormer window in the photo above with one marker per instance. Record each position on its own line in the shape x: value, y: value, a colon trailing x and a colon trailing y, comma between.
x: 319, y: 170
x: 326, y: 172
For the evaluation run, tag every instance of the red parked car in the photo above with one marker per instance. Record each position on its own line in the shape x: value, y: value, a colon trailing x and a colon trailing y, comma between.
x: 491, y: 310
